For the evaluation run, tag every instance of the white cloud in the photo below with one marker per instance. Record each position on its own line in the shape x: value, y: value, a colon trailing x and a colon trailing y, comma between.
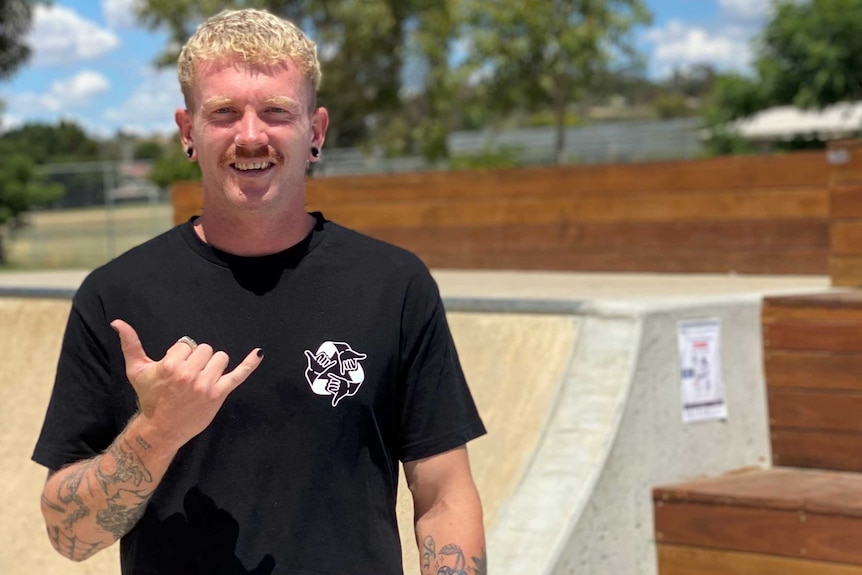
x: 150, y: 108
x: 61, y: 36
x: 678, y: 45
x: 81, y: 87
x: 10, y: 122
x: 746, y: 9
x: 74, y: 92
x: 120, y: 13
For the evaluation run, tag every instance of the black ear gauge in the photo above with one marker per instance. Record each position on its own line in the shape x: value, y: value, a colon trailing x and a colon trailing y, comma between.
x: 190, y: 152
x: 315, y: 152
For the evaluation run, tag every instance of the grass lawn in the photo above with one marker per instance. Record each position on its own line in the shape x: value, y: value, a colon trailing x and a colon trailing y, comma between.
x: 85, y: 238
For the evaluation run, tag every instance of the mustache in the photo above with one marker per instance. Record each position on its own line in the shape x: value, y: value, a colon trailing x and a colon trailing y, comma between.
x: 236, y: 154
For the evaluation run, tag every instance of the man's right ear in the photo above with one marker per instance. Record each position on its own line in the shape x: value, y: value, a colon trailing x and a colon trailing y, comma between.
x: 184, y: 123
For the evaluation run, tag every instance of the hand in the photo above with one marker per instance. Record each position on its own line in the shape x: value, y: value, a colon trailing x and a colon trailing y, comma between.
x: 180, y: 394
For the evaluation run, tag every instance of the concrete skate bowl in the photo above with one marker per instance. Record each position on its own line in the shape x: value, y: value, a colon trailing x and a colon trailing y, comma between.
x: 581, y: 401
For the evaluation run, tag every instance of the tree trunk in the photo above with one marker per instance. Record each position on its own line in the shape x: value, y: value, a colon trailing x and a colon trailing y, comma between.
x: 560, y: 133
x: 2, y: 246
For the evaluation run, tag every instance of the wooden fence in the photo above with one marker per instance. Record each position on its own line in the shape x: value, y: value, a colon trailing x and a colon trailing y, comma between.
x: 754, y: 215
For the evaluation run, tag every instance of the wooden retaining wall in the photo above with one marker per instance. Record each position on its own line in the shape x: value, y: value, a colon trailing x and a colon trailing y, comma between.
x: 752, y: 215
x: 804, y: 515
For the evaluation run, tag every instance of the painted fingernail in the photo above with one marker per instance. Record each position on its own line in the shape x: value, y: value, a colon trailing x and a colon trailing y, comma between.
x: 259, y: 353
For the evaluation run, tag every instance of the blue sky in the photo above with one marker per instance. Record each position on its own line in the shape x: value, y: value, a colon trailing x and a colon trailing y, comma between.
x: 92, y: 63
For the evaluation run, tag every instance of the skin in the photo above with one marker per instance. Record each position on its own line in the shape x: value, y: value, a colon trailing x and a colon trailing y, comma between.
x: 246, y: 114
x: 90, y: 504
x: 239, y: 116
x: 448, y: 513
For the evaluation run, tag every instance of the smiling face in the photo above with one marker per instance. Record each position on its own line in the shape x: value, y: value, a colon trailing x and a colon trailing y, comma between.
x: 252, y: 127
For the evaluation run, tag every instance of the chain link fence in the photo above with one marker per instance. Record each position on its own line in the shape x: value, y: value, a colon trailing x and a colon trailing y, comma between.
x: 107, y: 208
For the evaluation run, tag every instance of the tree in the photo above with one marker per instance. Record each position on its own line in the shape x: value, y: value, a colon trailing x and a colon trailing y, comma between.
x: 21, y: 188
x: 683, y: 93
x: 64, y: 141
x: 548, y: 54
x: 734, y: 96
x: 808, y: 55
x: 15, y: 19
x: 363, y: 45
x: 172, y: 166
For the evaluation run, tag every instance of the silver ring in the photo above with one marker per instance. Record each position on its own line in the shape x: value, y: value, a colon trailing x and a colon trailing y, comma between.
x: 188, y: 341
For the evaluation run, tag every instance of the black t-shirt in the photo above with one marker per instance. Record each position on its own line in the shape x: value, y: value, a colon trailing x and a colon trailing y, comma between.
x: 290, y: 477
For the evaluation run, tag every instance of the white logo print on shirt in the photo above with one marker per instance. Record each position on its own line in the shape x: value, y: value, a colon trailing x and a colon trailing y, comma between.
x: 334, y: 369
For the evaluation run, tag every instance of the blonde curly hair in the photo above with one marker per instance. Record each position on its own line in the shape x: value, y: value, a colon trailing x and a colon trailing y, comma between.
x: 251, y: 36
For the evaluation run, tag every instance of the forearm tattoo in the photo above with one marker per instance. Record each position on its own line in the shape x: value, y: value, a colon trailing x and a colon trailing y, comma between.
x: 128, y: 467
x: 118, y: 518
x: 450, y: 560
x: 125, y: 482
x: 71, y: 546
x: 68, y: 494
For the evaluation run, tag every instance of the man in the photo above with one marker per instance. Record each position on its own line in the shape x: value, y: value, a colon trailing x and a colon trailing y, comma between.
x: 212, y: 457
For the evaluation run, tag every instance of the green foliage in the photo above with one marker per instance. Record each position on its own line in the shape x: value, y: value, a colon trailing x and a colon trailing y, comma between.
x: 174, y: 166
x: 506, y: 157
x: 810, y: 53
x: 683, y: 93
x: 734, y: 96
x: 542, y: 118
x: 363, y: 45
x: 15, y: 19
x: 21, y: 189
x: 63, y: 142
x: 548, y: 54
x: 671, y: 105
x: 148, y: 150
x: 391, y: 81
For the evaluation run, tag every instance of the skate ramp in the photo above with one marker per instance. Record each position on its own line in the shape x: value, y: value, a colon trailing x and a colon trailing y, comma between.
x: 614, y: 430
x: 30, y: 334
x: 580, y: 398
x: 514, y: 363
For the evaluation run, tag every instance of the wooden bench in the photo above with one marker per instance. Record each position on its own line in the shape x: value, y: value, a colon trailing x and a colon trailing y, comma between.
x: 780, y: 521
x: 803, y: 516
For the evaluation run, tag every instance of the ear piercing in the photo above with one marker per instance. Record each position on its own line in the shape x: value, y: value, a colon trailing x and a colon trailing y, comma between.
x: 189, y: 152
x: 315, y: 152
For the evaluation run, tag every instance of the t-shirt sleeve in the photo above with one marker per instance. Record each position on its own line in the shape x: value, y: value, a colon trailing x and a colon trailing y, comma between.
x: 437, y: 410
x: 79, y: 421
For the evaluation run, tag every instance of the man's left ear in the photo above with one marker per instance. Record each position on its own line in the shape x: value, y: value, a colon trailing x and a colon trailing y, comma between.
x: 319, y: 124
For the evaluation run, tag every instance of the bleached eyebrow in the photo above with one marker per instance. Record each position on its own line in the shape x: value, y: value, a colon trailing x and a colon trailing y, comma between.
x: 217, y: 102
x: 277, y: 101
x: 283, y: 102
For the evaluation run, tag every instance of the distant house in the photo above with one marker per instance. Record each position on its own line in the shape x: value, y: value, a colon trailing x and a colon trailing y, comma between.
x: 134, y: 184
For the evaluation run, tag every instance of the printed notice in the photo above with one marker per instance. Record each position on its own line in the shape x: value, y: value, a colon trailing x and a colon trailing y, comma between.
x: 700, y: 370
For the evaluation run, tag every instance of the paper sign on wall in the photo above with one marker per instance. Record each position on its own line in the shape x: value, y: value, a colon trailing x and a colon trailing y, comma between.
x: 700, y: 370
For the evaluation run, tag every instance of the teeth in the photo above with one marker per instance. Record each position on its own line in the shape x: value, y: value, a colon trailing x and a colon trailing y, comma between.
x: 255, y: 166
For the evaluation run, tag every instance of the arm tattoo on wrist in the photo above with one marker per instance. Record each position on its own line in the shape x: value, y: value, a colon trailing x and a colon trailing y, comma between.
x: 128, y: 467
x: 450, y: 560
x: 428, y: 553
